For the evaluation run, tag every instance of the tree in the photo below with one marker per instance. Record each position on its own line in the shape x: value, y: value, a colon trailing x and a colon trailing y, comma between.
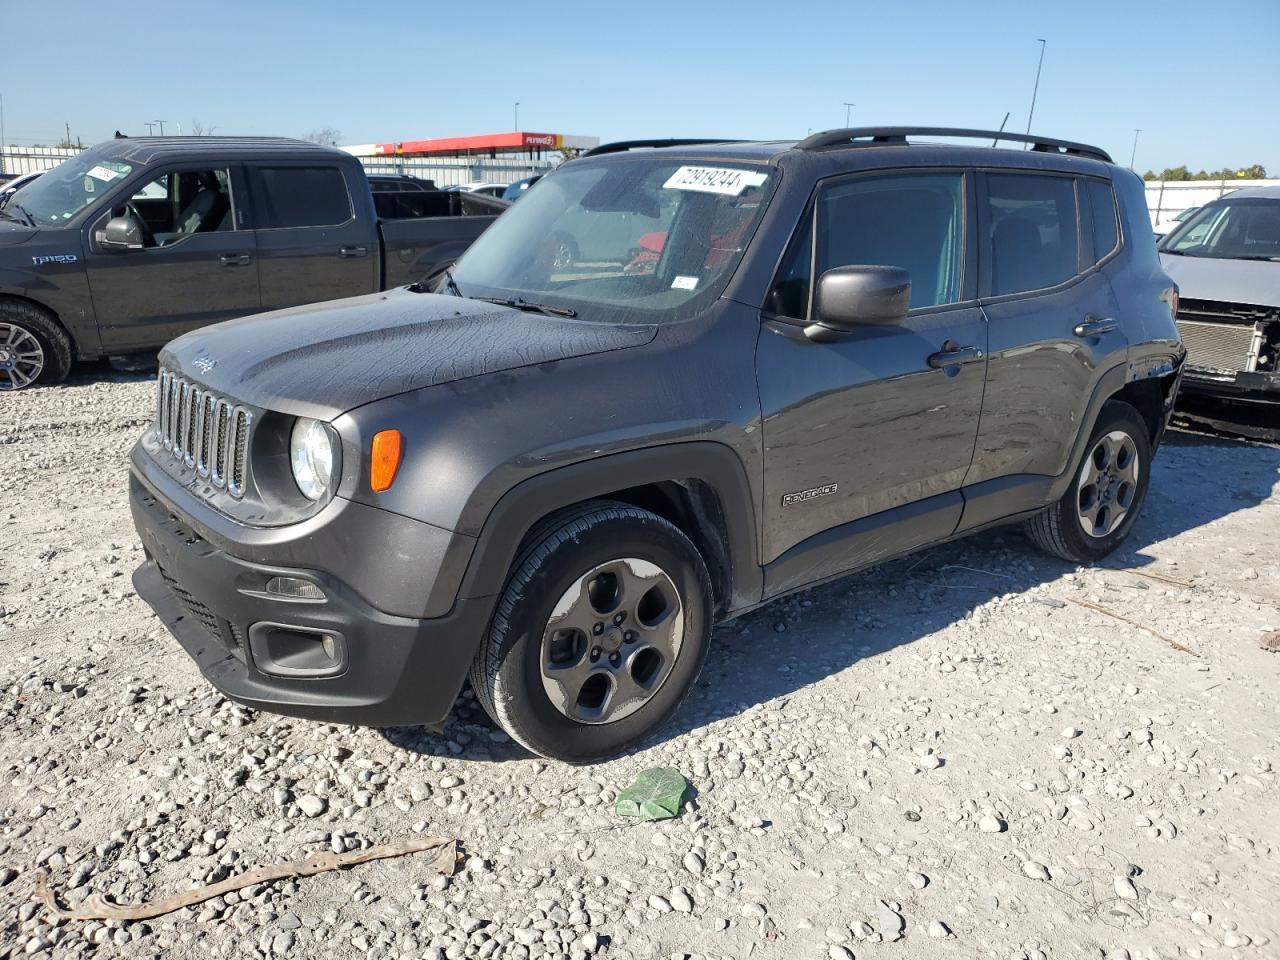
x: 198, y: 129
x: 569, y: 153
x: 328, y: 136
x: 1254, y: 172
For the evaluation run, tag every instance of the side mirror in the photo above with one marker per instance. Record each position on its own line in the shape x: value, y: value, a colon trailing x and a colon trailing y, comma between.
x: 859, y: 296
x: 121, y: 233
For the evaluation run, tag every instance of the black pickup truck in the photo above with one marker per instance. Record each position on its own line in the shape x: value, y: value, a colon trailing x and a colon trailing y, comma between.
x: 139, y: 240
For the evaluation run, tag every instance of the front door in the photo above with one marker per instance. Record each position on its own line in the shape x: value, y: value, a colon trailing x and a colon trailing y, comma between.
x: 197, y: 265
x: 868, y: 438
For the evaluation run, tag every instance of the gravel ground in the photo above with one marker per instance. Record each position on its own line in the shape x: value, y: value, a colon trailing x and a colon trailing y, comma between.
x: 974, y: 752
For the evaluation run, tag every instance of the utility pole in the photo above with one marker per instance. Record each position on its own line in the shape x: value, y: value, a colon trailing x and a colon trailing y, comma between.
x: 160, y: 124
x: 1134, y: 154
x: 149, y: 126
x: 847, y: 107
x: 1036, y: 89
x: 1, y: 133
x: 67, y: 141
x: 516, y: 121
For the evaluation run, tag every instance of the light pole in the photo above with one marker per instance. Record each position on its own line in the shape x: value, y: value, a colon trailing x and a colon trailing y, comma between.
x: 1, y: 133
x: 150, y: 128
x: 517, y: 116
x: 1036, y: 89
x: 1134, y: 154
x: 847, y: 107
x: 160, y: 124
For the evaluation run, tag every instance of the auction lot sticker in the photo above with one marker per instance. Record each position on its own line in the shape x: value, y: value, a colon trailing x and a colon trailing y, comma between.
x: 723, y: 180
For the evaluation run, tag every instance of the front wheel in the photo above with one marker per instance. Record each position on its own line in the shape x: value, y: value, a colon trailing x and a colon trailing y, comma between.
x: 33, y: 347
x: 599, y: 635
x: 1106, y: 494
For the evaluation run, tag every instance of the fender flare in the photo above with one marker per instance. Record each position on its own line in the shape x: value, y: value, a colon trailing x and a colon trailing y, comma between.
x: 714, y: 464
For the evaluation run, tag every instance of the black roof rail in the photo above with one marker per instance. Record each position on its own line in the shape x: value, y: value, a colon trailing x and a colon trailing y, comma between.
x: 873, y: 136
x: 623, y: 145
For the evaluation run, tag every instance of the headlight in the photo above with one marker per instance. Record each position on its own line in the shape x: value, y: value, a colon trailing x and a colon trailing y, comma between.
x: 311, y: 456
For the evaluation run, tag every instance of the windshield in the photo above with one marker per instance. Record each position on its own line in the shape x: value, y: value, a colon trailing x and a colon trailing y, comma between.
x: 627, y: 234
x: 1247, y: 228
x: 57, y: 196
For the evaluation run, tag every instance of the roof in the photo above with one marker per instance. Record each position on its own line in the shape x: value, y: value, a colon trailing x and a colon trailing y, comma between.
x: 150, y: 149
x: 1246, y: 193
x: 517, y: 141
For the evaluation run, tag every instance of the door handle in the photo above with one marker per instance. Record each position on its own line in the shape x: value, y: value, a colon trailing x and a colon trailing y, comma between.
x: 353, y: 251
x: 1094, y: 326
x: 235, y: 259
x: 952, y: 354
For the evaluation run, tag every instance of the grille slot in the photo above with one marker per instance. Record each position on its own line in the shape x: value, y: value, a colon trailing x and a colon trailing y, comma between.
x: 1217, y: 346
x: 205, y: 432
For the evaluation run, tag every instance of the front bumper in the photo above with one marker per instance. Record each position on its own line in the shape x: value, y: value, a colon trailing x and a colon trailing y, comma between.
x: 393, y: 670
x: 1239, y: 387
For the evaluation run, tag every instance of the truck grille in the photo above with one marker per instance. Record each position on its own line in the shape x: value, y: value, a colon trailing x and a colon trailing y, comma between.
x: 1217, y: 346
x: 203, y: 431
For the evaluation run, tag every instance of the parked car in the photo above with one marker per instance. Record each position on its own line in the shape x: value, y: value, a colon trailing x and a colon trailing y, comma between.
x: 11, y: 186
x: 555, y: 483
x: 1164, y: 227
x: 1226, y: 261
x: 398, y: 182
x: 516, y: 190
x: 480, y: 186
x: 137, y: 240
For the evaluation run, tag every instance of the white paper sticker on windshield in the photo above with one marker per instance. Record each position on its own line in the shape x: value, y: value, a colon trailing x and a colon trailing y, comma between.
x: 104, y: 174
x: 684, y: 283
x: 723, y: 180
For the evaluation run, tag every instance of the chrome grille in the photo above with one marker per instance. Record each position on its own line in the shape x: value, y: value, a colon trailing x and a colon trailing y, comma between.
x: 203, y: 431
x: 1217, y: 346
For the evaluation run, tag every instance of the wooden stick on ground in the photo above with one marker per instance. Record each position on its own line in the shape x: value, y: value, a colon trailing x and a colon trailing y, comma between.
x: 95, y: 908
x: 1133, y: 623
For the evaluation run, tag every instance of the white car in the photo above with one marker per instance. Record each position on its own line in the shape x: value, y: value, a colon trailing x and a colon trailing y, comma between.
x: 480, y: 186
x: 9, y: 187
x: 1169, y: 224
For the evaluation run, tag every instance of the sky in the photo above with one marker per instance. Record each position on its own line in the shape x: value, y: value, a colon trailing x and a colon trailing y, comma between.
x: 1203, y: 87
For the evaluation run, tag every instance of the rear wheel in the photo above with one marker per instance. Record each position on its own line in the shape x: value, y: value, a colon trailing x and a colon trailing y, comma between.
x: 1108, y: 489
x: 599, y: 635
x: 33, y: 347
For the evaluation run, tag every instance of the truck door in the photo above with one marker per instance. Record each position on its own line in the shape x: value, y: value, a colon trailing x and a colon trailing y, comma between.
x: 316, y: 240
x: 868, y: 437
x: 196, y: 266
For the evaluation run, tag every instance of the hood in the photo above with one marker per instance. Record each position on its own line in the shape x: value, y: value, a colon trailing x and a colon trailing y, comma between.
x: 13, y: 233
x: 324, y: 359
x: 1255, y: 282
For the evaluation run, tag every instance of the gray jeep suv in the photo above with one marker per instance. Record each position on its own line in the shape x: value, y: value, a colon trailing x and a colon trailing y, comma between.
x: 554, y: 477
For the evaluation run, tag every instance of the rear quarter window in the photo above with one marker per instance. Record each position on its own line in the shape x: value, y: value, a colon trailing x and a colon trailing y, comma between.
x: 1102, y: 207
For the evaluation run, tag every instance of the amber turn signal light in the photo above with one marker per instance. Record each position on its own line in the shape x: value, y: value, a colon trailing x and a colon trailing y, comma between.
x: 384, y: 459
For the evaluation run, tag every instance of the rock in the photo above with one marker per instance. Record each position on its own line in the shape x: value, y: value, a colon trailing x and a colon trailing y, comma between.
x: 312, y: 806
x: 938, y: 930
x: 1125, y: 889
x: 753, y: 911
x: 1234, y: 939
x: 661, y: 904
x: 694, y: 863
x: 1070, y: 733
x: 838, y: 952
x: 992, y: 824
x: 590, y: 941
x: 889, y: 922
x: 1035, y: 870
x: 680, y: 901
x: 918, y: 880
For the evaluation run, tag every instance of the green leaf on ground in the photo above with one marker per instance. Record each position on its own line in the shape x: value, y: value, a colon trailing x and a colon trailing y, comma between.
x: 657, y: 794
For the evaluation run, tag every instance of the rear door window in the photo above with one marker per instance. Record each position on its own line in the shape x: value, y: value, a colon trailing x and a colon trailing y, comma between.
x: 1033, y: 237
x: 300, y: 197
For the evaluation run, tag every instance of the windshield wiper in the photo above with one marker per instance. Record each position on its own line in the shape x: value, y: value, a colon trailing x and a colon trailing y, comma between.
x: 1257, y: 256
x: 450, y: 284
x: 31, y: 221
x: 521, y: 304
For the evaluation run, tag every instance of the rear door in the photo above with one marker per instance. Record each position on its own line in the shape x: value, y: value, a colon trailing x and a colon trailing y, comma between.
x: 197, y: 266
x: 316, y: 236
x: 1051, y: 314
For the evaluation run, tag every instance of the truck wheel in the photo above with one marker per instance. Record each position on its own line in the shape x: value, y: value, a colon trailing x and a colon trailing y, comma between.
x: 1101, y: 505
x: 33, y: 347
x: 599, y: 635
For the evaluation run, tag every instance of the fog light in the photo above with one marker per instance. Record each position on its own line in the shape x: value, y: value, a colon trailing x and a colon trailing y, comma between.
x: 328, y: 646
x: 294, y: 588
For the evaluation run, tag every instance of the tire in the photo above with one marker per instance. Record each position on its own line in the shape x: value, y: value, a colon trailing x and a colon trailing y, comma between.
x: 1060, y: 529
x: 537, y: 649
x: 21, y: 324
